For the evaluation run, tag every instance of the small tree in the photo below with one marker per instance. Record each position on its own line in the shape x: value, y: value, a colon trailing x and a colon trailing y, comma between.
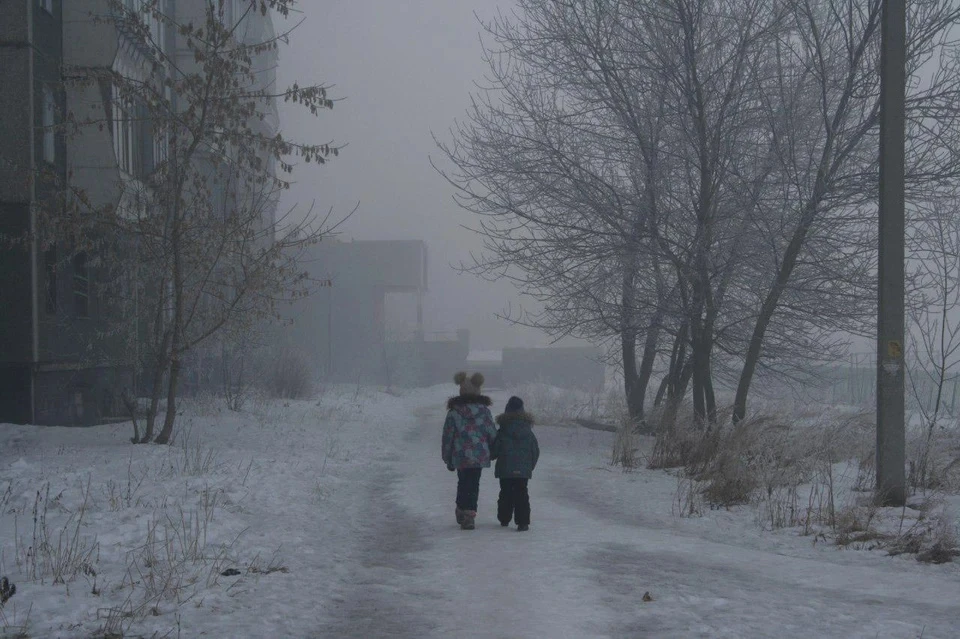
x: 934, y: 335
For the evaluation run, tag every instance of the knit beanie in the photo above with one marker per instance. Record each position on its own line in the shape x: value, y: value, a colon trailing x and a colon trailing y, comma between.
x: 468, y: 386
x: 514, y: 405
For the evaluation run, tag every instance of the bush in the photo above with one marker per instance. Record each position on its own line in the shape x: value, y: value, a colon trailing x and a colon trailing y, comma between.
x: 625, y: 447
x: 764, y: 458
x: 551, y: 405
x: 932, y: 539
x: 291, y: 377
x: 933, y: 459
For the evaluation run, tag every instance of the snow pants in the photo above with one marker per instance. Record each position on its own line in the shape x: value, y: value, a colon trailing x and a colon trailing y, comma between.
x: 514, y: 502
x: 468, y: 488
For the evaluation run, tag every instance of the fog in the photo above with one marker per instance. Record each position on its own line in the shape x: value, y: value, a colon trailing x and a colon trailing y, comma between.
x: 403, y: 70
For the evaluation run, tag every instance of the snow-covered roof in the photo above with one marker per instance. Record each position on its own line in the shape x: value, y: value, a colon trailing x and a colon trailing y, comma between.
x: 485, y: 356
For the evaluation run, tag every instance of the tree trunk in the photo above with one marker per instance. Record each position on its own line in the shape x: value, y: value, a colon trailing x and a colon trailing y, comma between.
x: 677, y: 394
x: 699, y: 405
x: 697, y: 361
x: 131, y: 405
x: 704, y: 400
x: 155, y: 391
x: 662, y: 391
x: 177, y: 329
x: 772, y: 299
x: 628, y: 338
x: 668, y: 381
x: 631, y: 381
x: 171, y: 414
x: 678, y: 362
x: 756, y: 343
x: 710, y: 399
x: 646, y: 366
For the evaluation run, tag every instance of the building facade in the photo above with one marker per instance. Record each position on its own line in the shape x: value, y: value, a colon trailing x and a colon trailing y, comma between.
x: 49, y: 317
x: 61, y: 359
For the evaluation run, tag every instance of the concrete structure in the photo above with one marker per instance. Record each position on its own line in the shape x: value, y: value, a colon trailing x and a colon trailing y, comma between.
x: 489, y: 364
x: 575, y: 367
x: 55, y: 364
x: 341, y: 330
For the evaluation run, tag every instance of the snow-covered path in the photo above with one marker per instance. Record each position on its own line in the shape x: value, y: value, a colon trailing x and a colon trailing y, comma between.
x: 582, y: 569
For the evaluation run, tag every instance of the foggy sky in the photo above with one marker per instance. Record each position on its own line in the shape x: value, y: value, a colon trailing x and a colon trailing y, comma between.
x: 404, y: 68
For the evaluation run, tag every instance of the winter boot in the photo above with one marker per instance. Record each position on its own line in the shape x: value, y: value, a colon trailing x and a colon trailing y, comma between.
x: 459, y: 515
x: 468, y: 520
x: 523, y: 528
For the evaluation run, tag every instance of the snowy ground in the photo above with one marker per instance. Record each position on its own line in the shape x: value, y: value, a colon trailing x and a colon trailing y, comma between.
x: 339, y: 519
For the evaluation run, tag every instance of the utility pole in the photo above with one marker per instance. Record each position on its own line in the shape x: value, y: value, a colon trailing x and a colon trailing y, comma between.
x: 891, y: 482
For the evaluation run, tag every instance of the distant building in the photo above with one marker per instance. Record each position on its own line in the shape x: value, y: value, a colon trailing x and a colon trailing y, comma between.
x: 567, y: 367
x: 580, y: 368
x: 489, y: 363
x: 341, y: 329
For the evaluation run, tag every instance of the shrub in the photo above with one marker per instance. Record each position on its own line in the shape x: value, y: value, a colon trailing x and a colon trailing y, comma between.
x: 932, y: 539
x: 291, y: 377
x: 625, y: 447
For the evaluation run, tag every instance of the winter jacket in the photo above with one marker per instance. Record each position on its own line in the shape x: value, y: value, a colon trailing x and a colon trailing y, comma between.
x: 515, y: 449
x: 468, y: 432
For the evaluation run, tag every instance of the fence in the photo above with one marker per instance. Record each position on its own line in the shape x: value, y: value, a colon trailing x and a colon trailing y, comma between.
x: 855, y: 383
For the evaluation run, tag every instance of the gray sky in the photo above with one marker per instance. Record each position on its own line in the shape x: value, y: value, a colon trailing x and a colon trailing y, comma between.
x: 405, y: 68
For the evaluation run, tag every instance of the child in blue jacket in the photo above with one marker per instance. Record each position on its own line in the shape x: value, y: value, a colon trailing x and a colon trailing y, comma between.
x: 517, y: 452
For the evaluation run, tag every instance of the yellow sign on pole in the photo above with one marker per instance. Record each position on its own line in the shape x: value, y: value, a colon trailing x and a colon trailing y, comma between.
x: 894, y: 349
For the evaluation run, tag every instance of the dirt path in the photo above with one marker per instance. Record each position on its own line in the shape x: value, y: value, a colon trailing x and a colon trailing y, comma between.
x: 583, y: 567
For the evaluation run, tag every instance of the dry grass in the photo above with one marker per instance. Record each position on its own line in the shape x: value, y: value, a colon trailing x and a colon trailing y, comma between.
x: 786, y: 470
x: 933, y: 537
x: 934, y: 459
x: 15, y: 621
x: 789, y: 472
x: 61, y: 555
x: 551, y: 405
x: 688, y: 500
x: 626, y: 447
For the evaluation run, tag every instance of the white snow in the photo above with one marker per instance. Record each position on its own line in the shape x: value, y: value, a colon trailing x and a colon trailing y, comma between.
x: 339, y: 517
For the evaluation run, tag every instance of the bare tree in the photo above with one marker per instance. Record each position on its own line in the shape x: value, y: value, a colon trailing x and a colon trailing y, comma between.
x: 609, y: 136
x: 825, y: 77
x: 699, y: 171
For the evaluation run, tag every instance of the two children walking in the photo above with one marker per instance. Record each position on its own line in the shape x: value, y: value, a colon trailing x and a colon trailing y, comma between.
x: 471, y: 441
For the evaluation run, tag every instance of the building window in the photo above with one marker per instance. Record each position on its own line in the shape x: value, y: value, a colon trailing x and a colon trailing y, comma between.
x: 121, y: 131
x: 50, y: 274
x: 46, y: 5
x: 49, y: 125
x: 128, y: 133
x: 154, y: 21
x: 161, y: 146
x: 81, y: 286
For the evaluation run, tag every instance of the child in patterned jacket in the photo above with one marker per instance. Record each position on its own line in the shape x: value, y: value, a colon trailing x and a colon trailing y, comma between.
x: 468, y: 433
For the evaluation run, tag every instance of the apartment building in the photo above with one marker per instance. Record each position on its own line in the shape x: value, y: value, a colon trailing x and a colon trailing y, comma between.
x: 61, y: 359
x: 45, y: 306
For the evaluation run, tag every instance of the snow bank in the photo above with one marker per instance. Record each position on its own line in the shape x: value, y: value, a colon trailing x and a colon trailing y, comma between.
x: 239, y: 529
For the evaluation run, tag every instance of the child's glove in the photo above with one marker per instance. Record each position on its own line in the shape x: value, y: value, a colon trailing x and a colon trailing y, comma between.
x: 450, y: 468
